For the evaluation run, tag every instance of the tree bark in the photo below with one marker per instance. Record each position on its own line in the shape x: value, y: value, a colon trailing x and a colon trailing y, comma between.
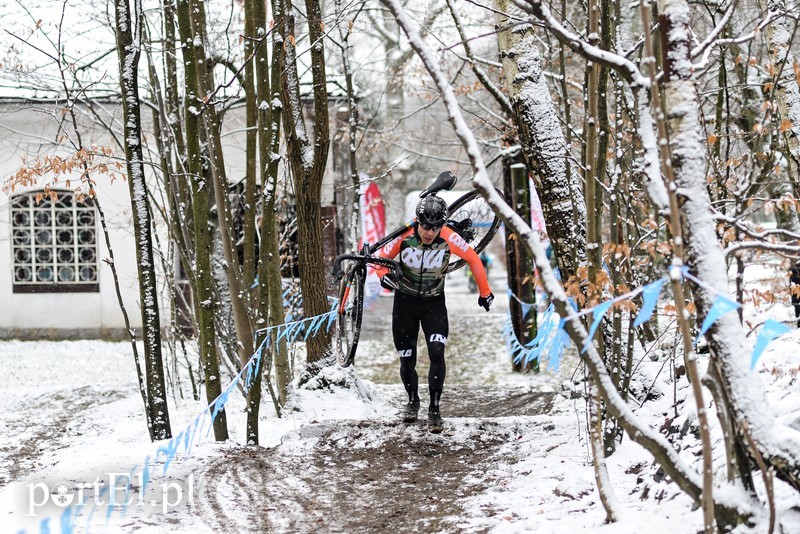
x: 307, y: 160
x: 240, y: 304
x: 780, y: 35
x: 518, y: 262
x: 129, y: 51
x: 777, y: 444
x: 268, y: 73
x: 203, y: 278
x: 543, y: 143
x: 251, y: 44
x: 674, y: 27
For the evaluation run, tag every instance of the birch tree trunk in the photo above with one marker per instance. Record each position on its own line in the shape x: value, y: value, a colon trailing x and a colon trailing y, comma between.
x: 779, y: 38
x: 128, y: 34
x: 683, y: 153
x: 778, y: 444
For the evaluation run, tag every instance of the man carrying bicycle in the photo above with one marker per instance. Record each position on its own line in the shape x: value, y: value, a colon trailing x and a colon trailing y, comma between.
x: 424, y: 253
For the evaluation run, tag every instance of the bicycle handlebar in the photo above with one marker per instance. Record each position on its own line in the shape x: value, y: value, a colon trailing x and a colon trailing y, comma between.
x: 375, y: 260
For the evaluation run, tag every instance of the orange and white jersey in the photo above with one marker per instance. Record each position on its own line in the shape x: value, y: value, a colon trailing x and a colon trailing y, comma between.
x: 424, y: 266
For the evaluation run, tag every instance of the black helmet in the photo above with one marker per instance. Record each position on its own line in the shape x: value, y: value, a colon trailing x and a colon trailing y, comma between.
x: 432, y: 211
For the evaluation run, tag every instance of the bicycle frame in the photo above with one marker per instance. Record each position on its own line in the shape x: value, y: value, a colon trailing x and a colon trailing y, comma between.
x: 363, y: 258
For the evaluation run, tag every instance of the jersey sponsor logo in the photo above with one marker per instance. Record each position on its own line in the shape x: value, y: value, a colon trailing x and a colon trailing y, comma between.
x: 417, y: 258
x: 458, y: 241
x: 438, y: 338
x: 387, y: 248
x: 405, y: 353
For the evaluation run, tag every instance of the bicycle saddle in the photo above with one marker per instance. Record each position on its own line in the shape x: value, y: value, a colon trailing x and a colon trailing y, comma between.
x: 444, y: 182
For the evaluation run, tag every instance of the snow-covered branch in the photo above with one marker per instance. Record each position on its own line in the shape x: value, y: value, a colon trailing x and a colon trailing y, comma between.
x: 685, y: 477
x: 748, y: 230
x: 627, y: 69
x: 711, y: 38
x: 706, y: 48
x: 789, y: 250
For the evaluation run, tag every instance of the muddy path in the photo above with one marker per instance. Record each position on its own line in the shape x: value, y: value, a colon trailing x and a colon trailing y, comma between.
x: 49, y: 422
x: 371, y: 476
x: 383, y: 475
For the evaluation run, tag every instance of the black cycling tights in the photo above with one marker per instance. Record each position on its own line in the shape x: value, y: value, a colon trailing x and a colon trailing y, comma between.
x: 408, y: 314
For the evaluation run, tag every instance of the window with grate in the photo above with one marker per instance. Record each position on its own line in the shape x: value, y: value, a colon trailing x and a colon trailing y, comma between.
x: 54, y: 244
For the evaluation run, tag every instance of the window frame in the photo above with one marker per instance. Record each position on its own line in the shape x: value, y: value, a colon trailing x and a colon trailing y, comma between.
x: 26, y: 203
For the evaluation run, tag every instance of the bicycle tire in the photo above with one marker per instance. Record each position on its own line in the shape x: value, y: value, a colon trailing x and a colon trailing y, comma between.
x: 475, y: 221
x: 348, y: 319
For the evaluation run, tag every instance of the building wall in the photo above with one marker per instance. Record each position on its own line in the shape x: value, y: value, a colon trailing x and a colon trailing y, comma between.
x: 30, y: 130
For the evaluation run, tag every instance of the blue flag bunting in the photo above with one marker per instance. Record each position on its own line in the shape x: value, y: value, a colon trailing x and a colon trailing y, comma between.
x: 534, y: 349
x: 769, y: 331
x: 650, y: 295
x: 145, y: 474
x: 66, y: 521
x: 557, y: 347
x: 721, y: 306
x: 168, y: 451
x: 598, y: 312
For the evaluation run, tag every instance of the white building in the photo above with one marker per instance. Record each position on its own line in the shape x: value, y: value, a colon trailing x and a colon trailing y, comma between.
x: 55, y: 281
x: 52, y: 281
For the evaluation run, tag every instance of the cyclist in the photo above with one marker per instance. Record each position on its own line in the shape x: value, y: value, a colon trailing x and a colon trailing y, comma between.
x: 424, y: 251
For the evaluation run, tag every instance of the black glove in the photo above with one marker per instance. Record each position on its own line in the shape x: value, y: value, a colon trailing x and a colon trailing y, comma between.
x: 486, y: 301
x: 389, y: 281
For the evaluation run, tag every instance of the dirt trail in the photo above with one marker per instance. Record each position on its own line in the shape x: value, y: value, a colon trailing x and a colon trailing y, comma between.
x: 385, y: 476
x: 371, y: 476
x: 45, y: 423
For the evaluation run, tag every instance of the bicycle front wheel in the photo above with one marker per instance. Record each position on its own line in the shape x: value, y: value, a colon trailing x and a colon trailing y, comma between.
x: 475, y: 221
x: 348, y: 319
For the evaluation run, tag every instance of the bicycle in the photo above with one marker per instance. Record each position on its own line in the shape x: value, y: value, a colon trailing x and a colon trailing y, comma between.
x: 469, y: 215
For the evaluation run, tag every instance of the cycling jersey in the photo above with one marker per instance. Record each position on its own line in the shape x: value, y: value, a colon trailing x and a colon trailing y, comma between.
x: 424, y: 265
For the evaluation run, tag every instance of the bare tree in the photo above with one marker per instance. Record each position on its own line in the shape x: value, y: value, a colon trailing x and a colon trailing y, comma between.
x: 684, y: 162
x: 129, y: 33
x: 307, y: 153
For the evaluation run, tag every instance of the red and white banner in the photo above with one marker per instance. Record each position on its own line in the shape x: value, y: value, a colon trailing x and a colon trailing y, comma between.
x: 373, y: 227
x: 373, y: 214
x: 537, y: 217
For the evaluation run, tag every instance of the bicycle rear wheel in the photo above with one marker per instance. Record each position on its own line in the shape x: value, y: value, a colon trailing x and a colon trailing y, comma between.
x: 348, y: 319
x: 473, y: 219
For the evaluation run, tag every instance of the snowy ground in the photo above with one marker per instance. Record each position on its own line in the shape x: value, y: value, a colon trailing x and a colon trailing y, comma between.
x: 514, y: 456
